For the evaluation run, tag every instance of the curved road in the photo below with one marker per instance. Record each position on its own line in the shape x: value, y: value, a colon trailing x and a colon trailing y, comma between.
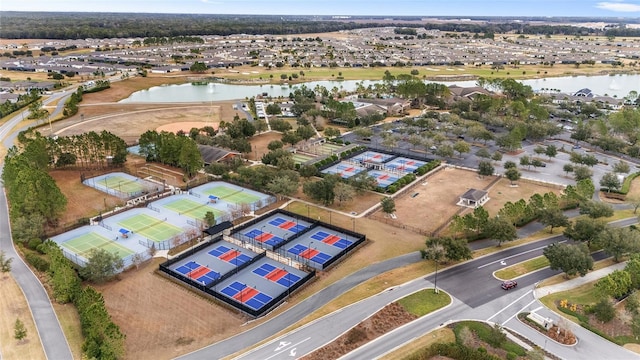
x: 53, y: 340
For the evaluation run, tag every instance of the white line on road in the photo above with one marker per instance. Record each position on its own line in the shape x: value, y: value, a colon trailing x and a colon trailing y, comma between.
x: 518, y: 312
x: 518, y: 254
x: 513, y: 302
x: 290, y: 347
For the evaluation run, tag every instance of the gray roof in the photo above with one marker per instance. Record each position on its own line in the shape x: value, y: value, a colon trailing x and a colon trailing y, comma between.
x: 474, y: 194
x: 211, y: 154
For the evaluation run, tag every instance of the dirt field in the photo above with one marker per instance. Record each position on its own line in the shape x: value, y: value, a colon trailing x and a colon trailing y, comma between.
x: 14, y: 306
x: 82, y: 200
x: 436, y: 201
x: 502, y: 192
x: 162, y: 319
x: 260, y: 142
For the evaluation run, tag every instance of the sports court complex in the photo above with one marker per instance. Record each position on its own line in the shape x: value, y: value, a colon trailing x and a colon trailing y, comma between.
x: 384, y: 167
x: 122, y: 185
x: 258, y: 264
x: 162, y: 224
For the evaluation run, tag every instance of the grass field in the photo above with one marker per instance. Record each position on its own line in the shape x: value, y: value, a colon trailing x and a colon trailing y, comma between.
x: 192, y: 209
x: 440, y: 336
x: 424, y: 302
x: 522, y: 268
x: 231, y: 195
x: 150, y: 227
x: 122, y: 184
x: 83, y: 244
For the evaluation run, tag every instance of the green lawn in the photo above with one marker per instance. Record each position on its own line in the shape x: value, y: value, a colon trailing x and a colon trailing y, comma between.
x: 522, y: 268
x: 424, y: 302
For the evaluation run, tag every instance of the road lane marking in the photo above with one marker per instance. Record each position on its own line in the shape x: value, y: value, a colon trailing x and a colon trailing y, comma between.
x: 513, y: 302
x: 518, y: 254
x: 291, y: 348
x: 518, y: 312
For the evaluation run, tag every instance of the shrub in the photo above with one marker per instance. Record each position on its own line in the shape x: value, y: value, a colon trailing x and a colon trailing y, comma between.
x: 603, y: 310
x: 34, y: 243
x: 37, y: 262
x: 512, y: 356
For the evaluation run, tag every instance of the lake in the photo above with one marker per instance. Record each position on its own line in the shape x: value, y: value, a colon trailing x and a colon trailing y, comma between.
x: 612, y: 85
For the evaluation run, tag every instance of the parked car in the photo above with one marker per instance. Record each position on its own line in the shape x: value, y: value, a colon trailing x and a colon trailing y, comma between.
x: 509, y: 284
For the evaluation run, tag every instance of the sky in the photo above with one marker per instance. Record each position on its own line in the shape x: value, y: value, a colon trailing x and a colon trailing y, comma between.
x: 462, y: 8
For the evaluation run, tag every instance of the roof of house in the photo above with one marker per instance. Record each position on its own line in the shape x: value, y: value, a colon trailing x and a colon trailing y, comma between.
x: 218, y: 228
x: 474, y: 194
x: 467, y: 91
x: 211, y: 154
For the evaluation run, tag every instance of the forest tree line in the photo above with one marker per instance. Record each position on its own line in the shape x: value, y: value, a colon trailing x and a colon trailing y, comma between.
x: 43, y: 25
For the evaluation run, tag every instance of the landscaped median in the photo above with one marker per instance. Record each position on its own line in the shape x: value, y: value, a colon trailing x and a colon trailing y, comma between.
x: 388, y: 318
x: 522, y: 268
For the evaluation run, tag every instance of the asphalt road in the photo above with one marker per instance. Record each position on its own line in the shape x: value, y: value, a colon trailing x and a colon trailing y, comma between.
x: 53, y: 340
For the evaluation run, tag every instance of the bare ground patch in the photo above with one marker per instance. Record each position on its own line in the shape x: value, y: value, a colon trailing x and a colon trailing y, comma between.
x: 162, y: 319
x: 436, y: 201
x: 259, y: 143
x: 502, y: 192
x: 14, y: 306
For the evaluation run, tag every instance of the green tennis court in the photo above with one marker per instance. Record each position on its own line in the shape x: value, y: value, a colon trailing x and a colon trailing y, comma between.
x: 83, y: 244
x: 232, y: 195
x: 192, y: 209
x: 152, y: 228
x: 327, y: 148
x: 121, y: 184
x: 300, y: 159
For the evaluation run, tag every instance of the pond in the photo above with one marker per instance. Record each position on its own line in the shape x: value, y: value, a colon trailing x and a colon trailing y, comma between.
x: 611, y: 85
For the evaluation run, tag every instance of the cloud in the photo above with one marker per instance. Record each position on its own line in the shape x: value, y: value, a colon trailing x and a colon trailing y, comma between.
x: 619, y: 6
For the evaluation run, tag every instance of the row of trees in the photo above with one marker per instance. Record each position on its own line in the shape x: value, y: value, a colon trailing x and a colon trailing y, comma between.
x: 171, y: 149
x: 23, y: 100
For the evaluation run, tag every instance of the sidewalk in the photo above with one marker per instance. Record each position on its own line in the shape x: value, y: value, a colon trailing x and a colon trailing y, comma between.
x: 573, y: 283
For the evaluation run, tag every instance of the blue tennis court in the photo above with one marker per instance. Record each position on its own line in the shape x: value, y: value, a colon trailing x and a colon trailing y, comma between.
x: 263, y: 237
x: 247, y: 295
x: 372, y: 157
x: 310, y: 254
x: 383, y: 178
x: 344, y: 169
x: 232, y: 256
x: 331, y: 239
x: 277, y: 275
x: 404, y: 165
x: 287, y: 225
x: 200, y: 273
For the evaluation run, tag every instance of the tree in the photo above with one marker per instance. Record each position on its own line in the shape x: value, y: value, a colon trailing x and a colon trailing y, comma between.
x: 512, y: 174
x: 497, y: 156
x: 585, y: 229
x: 610, y: 181
x: 209, y: 218
x: 553, y: 217
x: 551, y: 151
x: 483, y: 153
x: 567, y: 168
x: 273, y: 109
x: 509, y: 165
x: 454, y: 249
x: 275, y: 145
x: 322, y: 190
x: 436, y: 252
x: 283, y: 186
x: 461, y: 147
x: 331, y: 132
x: 388, y: 205
x: 619, y: 242
x: 290, y: 137
x: 344, y: 192
x: 101, y: 266
x: 308, y: 171
x: 501, y: 230
x: 198, y: 67
x: 444, y: 150
x: 5, y: 263
x: 571, y: 259
x: 633, y: 268
x: 582, y: 173
x: 603, y: 310
x: 19, y: 331
x: 525, y: 161
x: 621, y: 167
x: 616, y: 284
x: 485, y: 169
x: 596, y: 209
